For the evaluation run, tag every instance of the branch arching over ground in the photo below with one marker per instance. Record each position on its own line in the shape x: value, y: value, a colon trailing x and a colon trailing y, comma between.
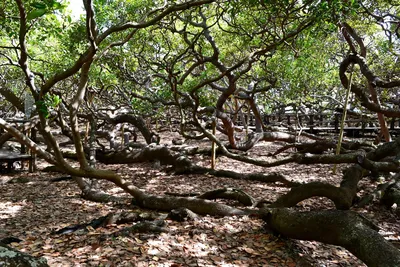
x: 343, y: 228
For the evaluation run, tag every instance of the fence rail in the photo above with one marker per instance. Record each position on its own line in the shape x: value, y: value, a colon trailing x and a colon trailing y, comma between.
x: 316, y: 123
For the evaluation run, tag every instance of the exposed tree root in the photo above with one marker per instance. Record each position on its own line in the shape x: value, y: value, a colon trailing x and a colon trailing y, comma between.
x: 148, y: 153
x: 182, y: 194
x: 229, y: 193
x: 111, y: 218
x: 391, y: 196
x: 341, y: 196
x: 182, y: 214
x: 60, y: 179
x: 278, y: 136
x: 143, y: 227
x: 183, y: 165
x: 346, y: 229
x: 343, y: 228
x: 376, y: 166
x: 99, y: 196
x: 260, y: 177
x: 53, y: 168
x: 320, y: 147
x: 164, y: 203
x: 199, y: 206
x: 91, y: 193
x: 377, y: 194
x: 303, y: 192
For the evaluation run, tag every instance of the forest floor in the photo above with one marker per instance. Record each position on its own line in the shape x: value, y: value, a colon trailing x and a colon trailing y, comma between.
x: 32, y: 208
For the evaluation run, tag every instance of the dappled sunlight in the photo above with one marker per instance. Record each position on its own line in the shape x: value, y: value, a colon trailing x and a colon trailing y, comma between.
x: 115, y: 191
x: 225, y: 120
x: 9, y: 209
x: 230, y: 241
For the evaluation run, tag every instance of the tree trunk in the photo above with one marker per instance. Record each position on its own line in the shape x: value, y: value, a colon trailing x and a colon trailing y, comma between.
x: 343, y: 228
x: 381, y: 117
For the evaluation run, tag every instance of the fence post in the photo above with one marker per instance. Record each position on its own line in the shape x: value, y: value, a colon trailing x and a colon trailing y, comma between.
x: 266, y: 119
x: 336, y: 122
x: 213, y: 145
x: 32, y: 161
x: 311, y: 123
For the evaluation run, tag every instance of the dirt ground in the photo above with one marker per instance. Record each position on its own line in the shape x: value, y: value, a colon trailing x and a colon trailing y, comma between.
x: 32, y: 208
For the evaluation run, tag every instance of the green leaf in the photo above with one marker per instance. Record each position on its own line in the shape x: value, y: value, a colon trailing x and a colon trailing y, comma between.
x: 36, y: 13
x: 38, y: 5
x: 42, y: 108
x: 57, y: 5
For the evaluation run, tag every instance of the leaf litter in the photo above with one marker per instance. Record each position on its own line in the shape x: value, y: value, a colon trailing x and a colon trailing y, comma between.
x: 31, y: 211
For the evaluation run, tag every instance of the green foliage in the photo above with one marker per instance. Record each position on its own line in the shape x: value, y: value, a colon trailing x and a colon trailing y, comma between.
x: 119, y: 11
x: 48, y: 103
x: 36, y: 13
x: 43, y: 7
x: 141, y: 107
x: 42, y: 108
x: 295, y: 70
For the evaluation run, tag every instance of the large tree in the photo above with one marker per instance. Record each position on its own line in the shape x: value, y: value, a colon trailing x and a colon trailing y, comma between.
x: 128, y: 62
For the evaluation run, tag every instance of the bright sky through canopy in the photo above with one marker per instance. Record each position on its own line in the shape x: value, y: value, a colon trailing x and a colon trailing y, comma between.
x: 77, y: 8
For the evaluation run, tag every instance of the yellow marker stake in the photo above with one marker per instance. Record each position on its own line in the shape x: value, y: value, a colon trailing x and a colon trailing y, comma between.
x: 213, y: 145
x: 339, y: 145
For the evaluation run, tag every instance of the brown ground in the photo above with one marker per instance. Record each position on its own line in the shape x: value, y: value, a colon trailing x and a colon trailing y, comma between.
x: 32, y: 210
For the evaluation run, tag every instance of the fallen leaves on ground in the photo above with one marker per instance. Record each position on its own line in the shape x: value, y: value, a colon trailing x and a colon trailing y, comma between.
x: 31, y: 211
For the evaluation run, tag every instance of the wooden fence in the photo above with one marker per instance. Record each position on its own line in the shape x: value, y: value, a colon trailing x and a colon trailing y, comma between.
x: 317, y: 123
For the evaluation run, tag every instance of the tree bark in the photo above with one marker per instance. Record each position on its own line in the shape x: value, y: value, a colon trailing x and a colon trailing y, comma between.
x: 342, y: 228
x: 136, y: 121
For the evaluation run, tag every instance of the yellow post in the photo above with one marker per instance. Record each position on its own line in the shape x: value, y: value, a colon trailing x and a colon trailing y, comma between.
x: 339, y: 145
x: 213, y: 146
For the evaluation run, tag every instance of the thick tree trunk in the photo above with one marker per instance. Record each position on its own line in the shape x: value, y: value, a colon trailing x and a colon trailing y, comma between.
x: 342, y: 228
